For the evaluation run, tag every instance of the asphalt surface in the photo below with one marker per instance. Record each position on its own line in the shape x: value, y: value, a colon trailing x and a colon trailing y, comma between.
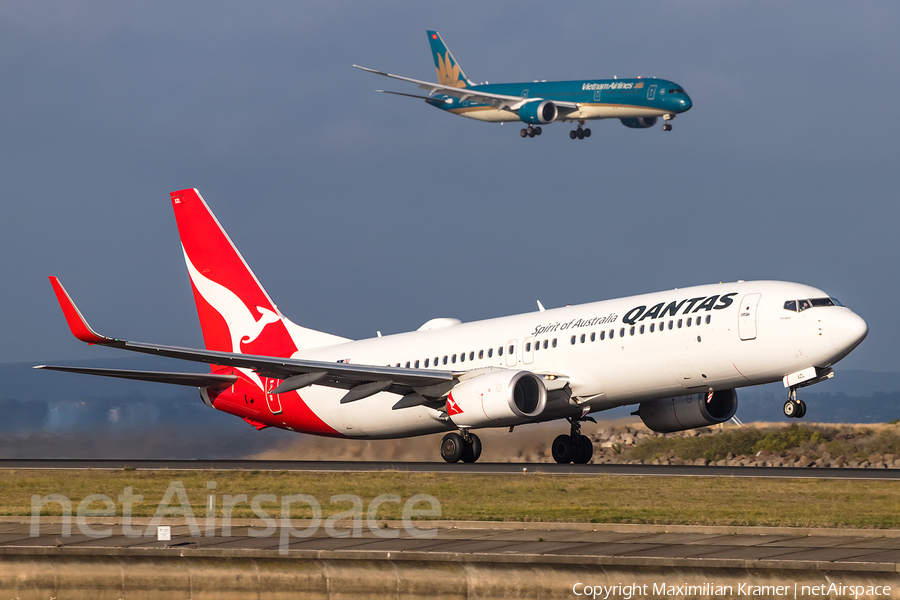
x: 442, y: 467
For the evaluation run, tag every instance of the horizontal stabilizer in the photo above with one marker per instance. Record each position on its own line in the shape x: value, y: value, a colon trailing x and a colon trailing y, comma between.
x: 200, y: 380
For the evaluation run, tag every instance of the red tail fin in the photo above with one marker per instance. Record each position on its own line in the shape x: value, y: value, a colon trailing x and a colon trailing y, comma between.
x: 236, y: 313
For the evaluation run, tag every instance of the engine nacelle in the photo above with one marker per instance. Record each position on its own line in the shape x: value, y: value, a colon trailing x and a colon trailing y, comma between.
x: 501, y: 397
x: 687, y: 412
x: 639, y: 122
x: 538, y: 112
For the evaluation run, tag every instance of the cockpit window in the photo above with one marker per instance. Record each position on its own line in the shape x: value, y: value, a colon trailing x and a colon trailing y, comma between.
x: 803, y: 304
x: 676, y: 91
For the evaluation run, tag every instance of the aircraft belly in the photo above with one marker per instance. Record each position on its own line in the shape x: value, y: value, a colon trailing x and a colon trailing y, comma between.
x: 372, y: 417
x: 612, y: 111
x: 487, y: 114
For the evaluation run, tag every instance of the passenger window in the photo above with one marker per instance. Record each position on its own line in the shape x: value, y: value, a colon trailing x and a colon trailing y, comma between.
x: 453, y: 360
x: 528, y: 347
x: 398, y: 365
x: 545, y: 344
x: 602, y: 335
x: 445, y: 359
x: 612, y: 333
x: 462, y: 357
x: 490, y: 352
x: 593, y: 336
x: 407, y: 364
x: 480, y: 354
x: 435, y: 361
x: 554, y: 342
x: 652, y: 327
x: 671, y: 325
x: 573, y: 340
x: 690, y: 321
x: 622, y: 332
x: 426, y: 363
x: 417, y: 364
x: 512, y: 349
x: 642, y: 329
x: 500, y: 351
x: 472, y: 355
x: 679, y: 323
x: 708, y: 319
x: 631, y: 332
x: 698, y: 320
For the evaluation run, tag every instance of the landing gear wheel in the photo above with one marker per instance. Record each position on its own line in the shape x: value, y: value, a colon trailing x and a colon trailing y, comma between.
x: 531, y: 133
x: 802, y: 412
x: 572, y: 134
x: 452, y: 447
x: 584, y: 450
x: 667, y: 127
x: 580, y: 134
x: 563, y: 449
x: 792, y: 409
x: 537, y: 131
x: 587, y: 133
x: 524, y: 133
x: 472, y: 450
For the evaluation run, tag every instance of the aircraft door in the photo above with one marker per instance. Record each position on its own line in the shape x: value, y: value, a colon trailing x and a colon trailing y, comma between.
x: 651, y: 92
x: 747, y: 317
x: 528, y: 350
x: 273, y: 400
x: 510, y: 352
x: 596, y: 95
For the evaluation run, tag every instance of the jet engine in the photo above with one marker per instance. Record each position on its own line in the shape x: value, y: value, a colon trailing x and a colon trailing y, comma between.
x: 687, y: 412
x: 499, y: 397
x: 538, y: 112
x: 639, y: 122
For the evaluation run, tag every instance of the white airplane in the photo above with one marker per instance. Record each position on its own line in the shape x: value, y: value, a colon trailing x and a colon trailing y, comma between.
x: 678, y: 355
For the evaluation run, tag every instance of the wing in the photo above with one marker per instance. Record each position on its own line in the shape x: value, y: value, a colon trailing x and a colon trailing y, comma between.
x: 361, y: 380
x: 498, y: 101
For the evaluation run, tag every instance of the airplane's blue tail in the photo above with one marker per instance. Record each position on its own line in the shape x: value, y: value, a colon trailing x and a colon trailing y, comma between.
x: 448, y: 70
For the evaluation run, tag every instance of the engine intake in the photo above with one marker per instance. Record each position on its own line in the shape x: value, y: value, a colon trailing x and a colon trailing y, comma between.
x: 688, y: 412
x: 639, y: 122
x: 499, y: 397
x: 538, y: 112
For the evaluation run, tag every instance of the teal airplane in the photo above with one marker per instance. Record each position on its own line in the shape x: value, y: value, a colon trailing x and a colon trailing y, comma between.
x: 638, y: 103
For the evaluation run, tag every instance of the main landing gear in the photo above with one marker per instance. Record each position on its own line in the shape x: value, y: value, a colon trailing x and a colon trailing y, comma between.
x: 530, y: 131
x: 580, y: 133
x: 793, y: 408
x: 573, y: 448
x: 462, y: 446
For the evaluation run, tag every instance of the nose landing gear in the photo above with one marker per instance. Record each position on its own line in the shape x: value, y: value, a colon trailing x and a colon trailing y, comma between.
x: 667, y: 126
x: 530, y: 131
x: 463, y: 446
x: 793, y: 408
x: 573, y: 448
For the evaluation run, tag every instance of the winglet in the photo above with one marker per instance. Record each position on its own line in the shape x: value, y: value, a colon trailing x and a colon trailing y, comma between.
x: 79, y: 327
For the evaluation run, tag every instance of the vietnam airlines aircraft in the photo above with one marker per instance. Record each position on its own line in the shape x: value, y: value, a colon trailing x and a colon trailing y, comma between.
x: 638, y: 103
x: 677, y: 355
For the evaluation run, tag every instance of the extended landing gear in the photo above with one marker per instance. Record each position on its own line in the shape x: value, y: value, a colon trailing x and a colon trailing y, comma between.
x: 668, y: 126
x: 530, y: 131
x: 463, y: 446
x: 579, y: 133
x: 793, y: 408
x: 573, y: 448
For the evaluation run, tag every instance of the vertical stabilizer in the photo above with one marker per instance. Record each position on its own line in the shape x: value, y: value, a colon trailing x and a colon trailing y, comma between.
x: 448, y: 70
x: 236, y: 314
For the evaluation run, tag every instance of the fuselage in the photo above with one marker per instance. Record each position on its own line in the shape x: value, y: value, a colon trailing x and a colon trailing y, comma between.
x: 597, y: 99
x: 610, y: 353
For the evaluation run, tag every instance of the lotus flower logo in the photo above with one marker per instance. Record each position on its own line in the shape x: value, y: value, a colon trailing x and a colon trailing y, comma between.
x: 448, y: 73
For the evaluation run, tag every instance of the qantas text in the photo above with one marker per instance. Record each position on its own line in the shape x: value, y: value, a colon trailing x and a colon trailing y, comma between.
x: 661, y: 310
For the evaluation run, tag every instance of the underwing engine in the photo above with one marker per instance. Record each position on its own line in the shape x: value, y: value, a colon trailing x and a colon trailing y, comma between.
x: 688, y: 412
x: 500, y: 397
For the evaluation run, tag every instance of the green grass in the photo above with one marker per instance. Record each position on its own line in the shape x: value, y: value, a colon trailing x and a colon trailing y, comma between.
x: 514, y: 497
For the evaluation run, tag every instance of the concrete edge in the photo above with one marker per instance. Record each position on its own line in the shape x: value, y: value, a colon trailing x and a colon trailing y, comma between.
x: 458, y: 557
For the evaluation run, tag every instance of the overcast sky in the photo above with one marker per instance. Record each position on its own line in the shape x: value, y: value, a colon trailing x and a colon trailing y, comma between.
x: 362, y: 211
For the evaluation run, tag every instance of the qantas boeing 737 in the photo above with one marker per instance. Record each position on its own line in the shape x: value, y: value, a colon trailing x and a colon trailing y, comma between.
x: 677, y: 355
x: 638, y: 103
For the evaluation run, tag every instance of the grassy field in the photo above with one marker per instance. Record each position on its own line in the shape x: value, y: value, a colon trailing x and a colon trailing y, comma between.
x: 533, y: 497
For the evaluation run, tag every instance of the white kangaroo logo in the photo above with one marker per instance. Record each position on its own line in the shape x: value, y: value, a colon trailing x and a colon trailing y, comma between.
x: 242, y: 326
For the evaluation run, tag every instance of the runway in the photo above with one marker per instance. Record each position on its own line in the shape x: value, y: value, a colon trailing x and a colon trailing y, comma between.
x: 441, y: 467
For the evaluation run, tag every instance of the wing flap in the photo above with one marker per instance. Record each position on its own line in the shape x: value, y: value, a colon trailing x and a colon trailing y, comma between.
x: 200, y: 380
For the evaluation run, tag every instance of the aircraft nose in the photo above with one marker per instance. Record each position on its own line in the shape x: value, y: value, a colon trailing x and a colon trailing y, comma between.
x: 686, y: 103
x: 847, y: 330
